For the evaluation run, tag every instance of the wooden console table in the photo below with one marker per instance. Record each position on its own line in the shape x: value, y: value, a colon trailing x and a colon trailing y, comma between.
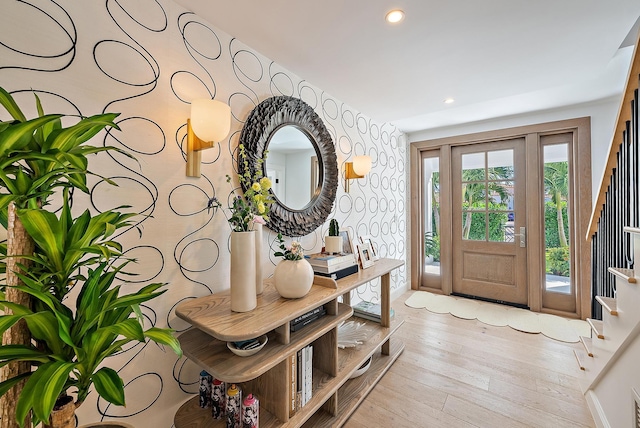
x: 267, y: 373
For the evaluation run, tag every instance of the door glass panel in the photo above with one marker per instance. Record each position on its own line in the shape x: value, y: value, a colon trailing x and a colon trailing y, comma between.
x: 556, y: 218
x: 474, y: 226
x: 431, y: 186
x: 500, y: 163
x: 473, y: 167
x: 474, y: 196
x: 498, y: 225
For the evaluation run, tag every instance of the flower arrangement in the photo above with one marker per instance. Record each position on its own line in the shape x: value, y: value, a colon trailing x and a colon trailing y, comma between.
x: 294, y: 252
x: 256, y: 203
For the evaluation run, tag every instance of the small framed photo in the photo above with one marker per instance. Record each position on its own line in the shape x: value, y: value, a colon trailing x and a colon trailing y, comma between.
x: 366, y: 239
x: 347, y: 244
x: 366, y: 256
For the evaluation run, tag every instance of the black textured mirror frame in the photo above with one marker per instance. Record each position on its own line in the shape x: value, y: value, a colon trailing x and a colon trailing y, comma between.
x: 267, y: 117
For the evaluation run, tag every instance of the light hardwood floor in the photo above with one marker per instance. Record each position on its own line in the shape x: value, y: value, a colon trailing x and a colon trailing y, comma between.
x: 461, y: 373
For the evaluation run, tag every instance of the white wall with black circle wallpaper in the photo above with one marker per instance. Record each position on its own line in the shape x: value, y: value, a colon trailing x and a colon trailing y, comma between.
x: 147, y: 59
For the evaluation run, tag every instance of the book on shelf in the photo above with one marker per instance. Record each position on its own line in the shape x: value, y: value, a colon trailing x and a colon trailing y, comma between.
x: 307, y: 315
x: 293, y: 386
x: 335, y: 267
x: 370, y: 311
x: 324, y: 259
x: 308, y: 320
x: 304, y: 384
x: 340, y: 273
x: 308, y: 377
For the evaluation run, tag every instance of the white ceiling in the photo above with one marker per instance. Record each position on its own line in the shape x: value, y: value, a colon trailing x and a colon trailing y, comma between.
x: 494, y: 57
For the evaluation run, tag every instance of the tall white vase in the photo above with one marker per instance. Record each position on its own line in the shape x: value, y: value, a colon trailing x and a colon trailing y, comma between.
x: 257, y: 227
x: 243, y: 271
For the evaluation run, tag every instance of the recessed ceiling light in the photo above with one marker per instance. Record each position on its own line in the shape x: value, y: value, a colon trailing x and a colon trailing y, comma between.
x: 394, y: 16
x: 449, y: 101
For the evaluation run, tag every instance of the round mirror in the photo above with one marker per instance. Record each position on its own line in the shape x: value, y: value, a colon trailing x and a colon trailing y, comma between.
x: 292, y: 166
x: 304, y: 198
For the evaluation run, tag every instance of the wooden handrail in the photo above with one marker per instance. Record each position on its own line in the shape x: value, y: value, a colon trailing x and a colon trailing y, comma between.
x: 624, y: 114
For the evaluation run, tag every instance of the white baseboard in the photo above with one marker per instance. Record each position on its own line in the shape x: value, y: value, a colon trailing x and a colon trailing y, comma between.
x: 596, y: 410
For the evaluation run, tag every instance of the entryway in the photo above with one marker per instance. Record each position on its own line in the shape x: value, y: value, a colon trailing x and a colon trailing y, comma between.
x: 502, y: 216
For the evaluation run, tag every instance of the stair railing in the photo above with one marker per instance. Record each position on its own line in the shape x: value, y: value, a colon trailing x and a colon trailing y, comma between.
x: 618, y: 199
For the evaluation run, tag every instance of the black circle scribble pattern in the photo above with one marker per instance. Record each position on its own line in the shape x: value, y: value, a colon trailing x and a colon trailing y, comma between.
x: 147, y: 60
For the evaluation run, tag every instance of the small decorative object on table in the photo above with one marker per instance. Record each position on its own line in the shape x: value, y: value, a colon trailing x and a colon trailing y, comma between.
x: 205, y: 389
x: 333, y: 242
x: 234, y: 406
x: 366, y: 255
x: 352, y: 334
x: 250, y: 412
x: 218, y: 402
x: 366, y: 239
x: 246, y: 348
x: 293, y: 276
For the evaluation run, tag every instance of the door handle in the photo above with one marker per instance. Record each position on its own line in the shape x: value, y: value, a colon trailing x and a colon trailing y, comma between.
x: 523, y: 236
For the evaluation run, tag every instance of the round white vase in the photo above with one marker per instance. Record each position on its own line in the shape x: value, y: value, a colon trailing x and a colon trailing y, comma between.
x: 243, y: 271
x: 293, y: 278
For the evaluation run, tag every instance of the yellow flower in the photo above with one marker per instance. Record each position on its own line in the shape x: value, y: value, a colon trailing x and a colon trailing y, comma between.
x: 265, y: 183
x: 255, y: 187
x: 258, y: 198
x: 261, y: 208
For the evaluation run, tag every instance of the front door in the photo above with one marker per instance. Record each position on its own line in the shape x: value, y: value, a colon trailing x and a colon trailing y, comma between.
x: 489, y: 219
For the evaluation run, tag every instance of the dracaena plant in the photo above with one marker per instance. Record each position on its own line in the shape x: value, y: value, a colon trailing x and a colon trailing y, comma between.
x: 73, y: 344
x: 38, y: 157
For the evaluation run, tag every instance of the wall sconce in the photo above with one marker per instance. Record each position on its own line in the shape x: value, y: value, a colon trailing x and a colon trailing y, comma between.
x: 210, y: 122
x: 360, y: 167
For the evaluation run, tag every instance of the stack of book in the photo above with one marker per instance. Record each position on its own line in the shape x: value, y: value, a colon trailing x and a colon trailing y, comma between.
x: 306, y: 319
x: 370, y: 311
x: 301, y: 378
x: 334, y: 266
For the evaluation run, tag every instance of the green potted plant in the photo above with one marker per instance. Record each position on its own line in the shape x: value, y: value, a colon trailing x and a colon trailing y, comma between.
x: 333, y: 242
x: 70, y: 343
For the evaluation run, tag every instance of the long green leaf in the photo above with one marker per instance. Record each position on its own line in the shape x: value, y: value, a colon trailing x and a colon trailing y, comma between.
x: 44, y: 228
x: 42, y: 389
x: 22, y: 353
x: 7, y: 101
x: 109, y: 385
x: 67, y: 139
x: 44, y: 326
x: 9, y: 383
x: 19, y: 135
x: 164, y: 336
x: 7, y: 321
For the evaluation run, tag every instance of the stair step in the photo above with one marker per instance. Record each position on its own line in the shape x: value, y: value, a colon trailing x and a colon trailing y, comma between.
x: 587, y: 344
x: 609, y: 304
x: 596, y: 327
x: 629, y: 229
x: 579, y: 358
x: 626, y: 274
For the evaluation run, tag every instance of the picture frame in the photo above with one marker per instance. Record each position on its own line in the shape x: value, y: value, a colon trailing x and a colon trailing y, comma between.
x: 347, y: 242
x: 366, y: 256
x: 366, y: 239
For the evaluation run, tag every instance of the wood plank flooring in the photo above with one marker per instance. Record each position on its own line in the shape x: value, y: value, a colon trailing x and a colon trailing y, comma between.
x: 462, y: 373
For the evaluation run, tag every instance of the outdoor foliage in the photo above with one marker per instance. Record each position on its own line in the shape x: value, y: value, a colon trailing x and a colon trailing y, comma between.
x: 558, y: 261
x: 552, y: 239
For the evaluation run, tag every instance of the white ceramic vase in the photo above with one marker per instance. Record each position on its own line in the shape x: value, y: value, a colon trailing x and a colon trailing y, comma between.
x: 333, y: 244
x: 257, y: 227
x: 243, y: 271
x: 293, y: 278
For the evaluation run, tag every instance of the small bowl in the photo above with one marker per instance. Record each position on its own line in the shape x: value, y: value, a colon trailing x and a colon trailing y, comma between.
x: 248, y: 352
x: 363, y: 368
